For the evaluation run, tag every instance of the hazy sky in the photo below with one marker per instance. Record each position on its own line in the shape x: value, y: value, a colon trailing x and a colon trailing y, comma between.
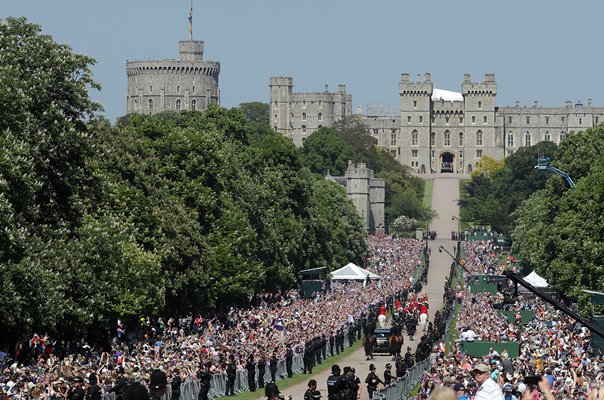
x: 550, y: 51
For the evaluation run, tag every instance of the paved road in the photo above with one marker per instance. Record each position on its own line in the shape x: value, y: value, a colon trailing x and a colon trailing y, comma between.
x: 445, y: 193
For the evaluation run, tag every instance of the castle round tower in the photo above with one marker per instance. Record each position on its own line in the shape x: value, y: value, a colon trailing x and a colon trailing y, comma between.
x: 189, y: 83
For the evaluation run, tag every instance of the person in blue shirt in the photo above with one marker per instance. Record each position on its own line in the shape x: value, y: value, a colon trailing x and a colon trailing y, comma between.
x: 460, y: 391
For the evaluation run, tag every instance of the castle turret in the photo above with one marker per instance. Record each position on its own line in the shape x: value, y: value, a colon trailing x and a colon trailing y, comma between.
x: 191, y: 50
x: 416, y: 109
x: 280, y: 107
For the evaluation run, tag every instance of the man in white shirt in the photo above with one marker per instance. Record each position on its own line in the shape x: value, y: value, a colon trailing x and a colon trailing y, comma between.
x: 468, y: 335
x: 488, y: 389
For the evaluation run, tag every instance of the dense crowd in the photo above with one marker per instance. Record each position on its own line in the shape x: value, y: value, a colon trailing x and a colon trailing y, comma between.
x: 556, y: 360
x: 275, y: 327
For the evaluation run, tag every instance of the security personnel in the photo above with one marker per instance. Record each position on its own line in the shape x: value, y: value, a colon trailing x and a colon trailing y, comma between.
x: 76, y: 392
x: 388, y: 375
x: 372, y: 381
x: 354, y: 384
x: 289, y: 355
x: 312, y: 388
x: 332, y: 383
x: 261, y: 370
x: 204, y: 376
x: 231, y: 373
x: 157, y: 384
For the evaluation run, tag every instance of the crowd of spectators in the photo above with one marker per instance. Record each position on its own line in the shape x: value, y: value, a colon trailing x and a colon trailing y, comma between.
x: 556, y: 360
x: 273, y: 326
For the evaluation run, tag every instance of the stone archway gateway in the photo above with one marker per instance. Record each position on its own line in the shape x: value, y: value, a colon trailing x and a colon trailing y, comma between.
x: 447, y: 162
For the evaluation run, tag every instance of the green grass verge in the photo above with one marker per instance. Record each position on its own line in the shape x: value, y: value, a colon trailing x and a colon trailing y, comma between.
x: 299, y: 377
x: 427, y: 200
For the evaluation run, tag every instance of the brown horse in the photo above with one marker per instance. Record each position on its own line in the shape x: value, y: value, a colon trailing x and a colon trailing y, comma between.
x: 369, y: 344
x: 395, y: 342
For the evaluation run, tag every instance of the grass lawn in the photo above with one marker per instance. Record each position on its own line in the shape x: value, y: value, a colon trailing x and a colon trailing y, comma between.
x: 427, y: 200
x: 299, y: 377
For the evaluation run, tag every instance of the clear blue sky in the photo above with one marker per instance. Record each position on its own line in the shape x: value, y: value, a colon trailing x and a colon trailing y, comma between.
x: 550, y: 51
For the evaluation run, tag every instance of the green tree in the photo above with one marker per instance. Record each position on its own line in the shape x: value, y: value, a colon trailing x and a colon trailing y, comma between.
x: 325, y: 151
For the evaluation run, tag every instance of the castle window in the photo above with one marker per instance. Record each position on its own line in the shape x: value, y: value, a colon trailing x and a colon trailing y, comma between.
x: 275, y: 118
x: 473, y: 119
x: 447, y: 120
x: 479, y: 138
x: 433, y: 154
x: 320, y: 126
x: 414, y: 104
x: 421, y: 119
x: 150, y: 104
x: 414, y: 153
x: 527, y: 139
x: 596, y: 120
x: 178, y: 104
x: 433, y: 139
x: 580, y: 121
x: 510, y: 139
x: 135, y: 104
x: 509, y: 120
x: 561, y: 136
x: 478, y: 153
x: 547, y: 120
x: 193, y: 89
x: 414, y: 138
x: 480, y: 104
x: 393, y: 137
x: 461, y: 120
x: 150, y: 89
x: 193, y: 104
x: 461, y: 138
x: 320, y: 103
x: 304, y: 103
x: 484, y: 119
x: 303, y: 128
x: 528, y: 120
x: 320, y: 117
x: 562, y: 119
x: 303, y: 116
x: 547, y: 137
x: 375, y: 132
x: 433, y: 119
x: 409, y: 119
x: 177, y: 89
x: 460, y: 153
x: 447, y: 138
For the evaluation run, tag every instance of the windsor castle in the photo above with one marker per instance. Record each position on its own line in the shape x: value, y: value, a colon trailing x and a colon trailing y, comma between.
x: 434, y: 131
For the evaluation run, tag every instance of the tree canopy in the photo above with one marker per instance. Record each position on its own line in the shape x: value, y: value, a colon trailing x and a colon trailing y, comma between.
x: 168, y: 214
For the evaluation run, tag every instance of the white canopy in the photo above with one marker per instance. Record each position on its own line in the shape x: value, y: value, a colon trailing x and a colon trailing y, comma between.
x: 446, y: 95
x: 535, y: 280
x: 352, y: 271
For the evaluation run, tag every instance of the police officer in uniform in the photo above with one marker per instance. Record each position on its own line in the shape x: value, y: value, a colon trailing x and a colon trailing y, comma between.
x: 231, y: 373
x: 388, y: 375
x: 289, y: 355
x: 310, y: 392
x: 372, y: 381
x: 261, y: 371
x: 204, y: 377
x: 332, y: 383
x: 76, y: 392
x: 157, y: 384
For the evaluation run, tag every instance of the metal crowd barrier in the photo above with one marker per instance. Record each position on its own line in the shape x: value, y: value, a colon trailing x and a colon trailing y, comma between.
x: 400, y: 388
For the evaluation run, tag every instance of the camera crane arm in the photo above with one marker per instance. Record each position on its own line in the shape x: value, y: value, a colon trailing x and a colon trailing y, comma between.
x: 517, y: 279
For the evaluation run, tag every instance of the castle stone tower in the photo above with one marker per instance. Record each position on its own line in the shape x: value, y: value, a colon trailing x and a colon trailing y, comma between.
x: 358, y: 187
x: 189, y: 83
x: 416, y: 112
x: 280, y: 107
x: 479, y: 112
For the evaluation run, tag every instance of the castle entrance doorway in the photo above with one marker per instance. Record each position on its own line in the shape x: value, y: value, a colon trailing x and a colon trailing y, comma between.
x: 447, y: 162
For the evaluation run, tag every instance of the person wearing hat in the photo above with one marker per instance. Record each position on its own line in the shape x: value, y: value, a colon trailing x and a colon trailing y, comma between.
x: 388, y: 375
x: 312, y: 388
x: 204, y: 376
x: 508, y: 390
x: 333, y: 385
x: 76, y: 392
x: 372, y: 381
x: 157, y: 384
x: 488, y: 389
x: 460, y: 391
x: 94, y: 390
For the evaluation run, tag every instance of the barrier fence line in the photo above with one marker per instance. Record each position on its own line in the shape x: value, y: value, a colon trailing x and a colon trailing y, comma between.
x: 190, y: 388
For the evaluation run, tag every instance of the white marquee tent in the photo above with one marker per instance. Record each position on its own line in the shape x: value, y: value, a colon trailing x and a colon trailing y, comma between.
x: 536, y: 280
x: 352, y: 271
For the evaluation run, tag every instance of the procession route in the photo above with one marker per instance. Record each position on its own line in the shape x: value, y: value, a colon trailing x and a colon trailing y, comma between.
x: 445, y: 195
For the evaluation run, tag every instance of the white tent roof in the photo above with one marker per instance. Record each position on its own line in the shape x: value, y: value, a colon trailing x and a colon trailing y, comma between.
x: 353, y: 272
x: 536, y: 280
x: 446, y: 95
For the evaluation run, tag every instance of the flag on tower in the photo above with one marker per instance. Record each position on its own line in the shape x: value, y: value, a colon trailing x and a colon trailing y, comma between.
x: 191, y: 21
